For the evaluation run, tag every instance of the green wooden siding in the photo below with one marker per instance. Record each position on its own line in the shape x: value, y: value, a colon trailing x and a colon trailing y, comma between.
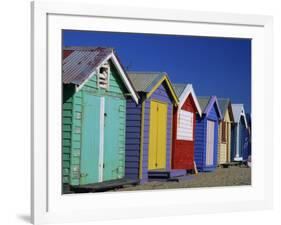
x: 68, y: 91
x: 73, y: 128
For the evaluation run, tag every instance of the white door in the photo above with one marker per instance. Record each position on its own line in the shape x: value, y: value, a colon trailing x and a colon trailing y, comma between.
x: 210, y: 143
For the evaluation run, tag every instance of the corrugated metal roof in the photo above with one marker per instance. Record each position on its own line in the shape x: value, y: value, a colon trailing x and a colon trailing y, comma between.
x: 144, y: 81
x: 223, y: 104
x: 81, y: 62
x: 203, y: 102
x: 179, y: 88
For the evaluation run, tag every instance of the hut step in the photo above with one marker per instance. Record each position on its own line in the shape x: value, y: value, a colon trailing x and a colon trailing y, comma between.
x: 159, y: 174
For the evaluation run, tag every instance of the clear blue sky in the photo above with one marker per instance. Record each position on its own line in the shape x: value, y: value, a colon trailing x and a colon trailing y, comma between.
x: 214, y: 66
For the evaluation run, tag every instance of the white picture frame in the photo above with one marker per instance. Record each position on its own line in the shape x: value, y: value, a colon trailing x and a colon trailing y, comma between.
x: 48, y: 205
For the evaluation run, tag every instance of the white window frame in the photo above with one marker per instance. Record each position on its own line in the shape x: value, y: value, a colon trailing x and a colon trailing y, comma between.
x: 183, y: 125
x: 107, y: 66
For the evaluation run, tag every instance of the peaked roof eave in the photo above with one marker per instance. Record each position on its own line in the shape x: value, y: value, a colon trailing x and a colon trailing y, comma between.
x: 108, y: 54
x: 184, y: 95
x: 213, y: 100
x: 170, y: 87
x: 238, y: 111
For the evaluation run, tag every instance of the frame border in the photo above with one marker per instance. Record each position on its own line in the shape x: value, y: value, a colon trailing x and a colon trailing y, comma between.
x: 39, y: 92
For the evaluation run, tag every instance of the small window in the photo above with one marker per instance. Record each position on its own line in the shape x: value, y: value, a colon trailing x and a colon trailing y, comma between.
x: 103, y: 76
x: 223, y: 132
x: 185, y: 126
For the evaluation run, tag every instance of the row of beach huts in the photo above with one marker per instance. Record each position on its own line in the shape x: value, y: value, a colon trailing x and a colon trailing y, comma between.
x: 120, y: 127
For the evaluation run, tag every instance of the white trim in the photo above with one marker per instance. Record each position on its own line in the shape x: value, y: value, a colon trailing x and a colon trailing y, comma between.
x: 241, y: 113
x: 120, y: 70
x: 244, y: 116
x: 101, y: 147
x: 95, y: 72
x: 189, y: 90
x: 125, y: 79
x: 237, y: 140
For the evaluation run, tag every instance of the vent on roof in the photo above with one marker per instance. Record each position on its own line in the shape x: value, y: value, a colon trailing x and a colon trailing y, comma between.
x: 103, y: 76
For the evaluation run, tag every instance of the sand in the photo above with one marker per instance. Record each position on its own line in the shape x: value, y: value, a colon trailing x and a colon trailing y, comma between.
x: 232, y: 176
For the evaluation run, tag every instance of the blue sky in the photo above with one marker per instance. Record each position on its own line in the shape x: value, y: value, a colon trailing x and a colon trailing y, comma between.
x: 214, y: 66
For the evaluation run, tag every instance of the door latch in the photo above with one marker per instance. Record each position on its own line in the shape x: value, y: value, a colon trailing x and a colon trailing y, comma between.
x: 83, y: 174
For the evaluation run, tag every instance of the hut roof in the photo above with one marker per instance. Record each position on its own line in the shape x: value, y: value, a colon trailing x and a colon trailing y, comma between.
x: 147, y: 81
x: 238, y: 111
x: 206, y: 103
x: 79, y: 63
x: 179, y: 88
x: 224, y: 104
x: 183, y: 91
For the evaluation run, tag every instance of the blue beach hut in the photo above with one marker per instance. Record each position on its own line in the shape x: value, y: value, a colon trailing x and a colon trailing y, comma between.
x: 206, y: 134
x: 239, y: 147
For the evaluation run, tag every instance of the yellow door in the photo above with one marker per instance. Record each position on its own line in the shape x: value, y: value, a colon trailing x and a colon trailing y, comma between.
x: 157, y: 136
x: 161, y: 134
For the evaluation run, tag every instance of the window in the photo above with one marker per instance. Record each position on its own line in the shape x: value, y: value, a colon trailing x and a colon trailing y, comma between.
x: 185, y: 126
x: 103, y: 76
x: 223, y: 131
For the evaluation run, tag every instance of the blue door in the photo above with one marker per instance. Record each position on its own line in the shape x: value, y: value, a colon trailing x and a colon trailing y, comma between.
x: 114, y: 138
x: 90, y: 138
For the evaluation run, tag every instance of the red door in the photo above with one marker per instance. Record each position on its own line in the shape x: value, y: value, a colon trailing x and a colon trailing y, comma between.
x: 183, y: 135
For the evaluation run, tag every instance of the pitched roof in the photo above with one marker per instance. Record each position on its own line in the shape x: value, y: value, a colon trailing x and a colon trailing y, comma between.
x: 147, y: 82
x: 203, y: 102
x: 179, y: 88
x: 206, y: 103
x: 183, y: 91
x: 79, y: 63
x: 144, y: 81
x: 223, y: 103
x: 238, y: 111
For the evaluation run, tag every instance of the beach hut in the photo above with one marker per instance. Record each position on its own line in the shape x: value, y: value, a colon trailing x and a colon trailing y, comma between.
x: 206, y: 134
x: 239, y: 147
x: 95, y: 88
x: 224, y: 148
x: 149, y: 127
x: 184, y: 123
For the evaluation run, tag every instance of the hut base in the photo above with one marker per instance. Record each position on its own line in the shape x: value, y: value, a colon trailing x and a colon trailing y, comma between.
x: 238, y: 159
x: 163, y: 174
x: 103, y: 186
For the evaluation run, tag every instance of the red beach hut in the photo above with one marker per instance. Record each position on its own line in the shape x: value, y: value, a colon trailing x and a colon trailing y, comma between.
x: 184, y: 122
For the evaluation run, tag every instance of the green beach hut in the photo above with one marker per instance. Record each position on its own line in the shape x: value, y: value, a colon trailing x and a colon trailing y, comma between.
x: 95, y: 88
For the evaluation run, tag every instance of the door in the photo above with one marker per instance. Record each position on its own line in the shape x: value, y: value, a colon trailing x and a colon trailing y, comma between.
x: 114, y: 138
x: 210, y: 143
x: 242, y: 136
x: 227, y: 142
x: 90, y: 139
x: 157, y: 135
